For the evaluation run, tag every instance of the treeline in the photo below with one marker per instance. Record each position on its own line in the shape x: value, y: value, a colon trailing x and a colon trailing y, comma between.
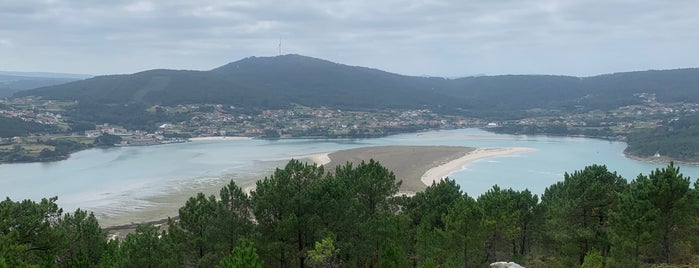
x: 85, y: 115
x: 554, y: 129
x: 675, y: 138
x: 15, y: 127
x: 302, y: 216
x: 54, y: 149
x: 288, y: 80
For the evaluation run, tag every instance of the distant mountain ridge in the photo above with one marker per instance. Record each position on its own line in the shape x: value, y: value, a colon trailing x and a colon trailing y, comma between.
x: 282, y: 81
x: 12, y: 82
x: 47, y: 75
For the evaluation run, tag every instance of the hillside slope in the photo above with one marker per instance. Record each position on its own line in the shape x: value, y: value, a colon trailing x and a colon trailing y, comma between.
x: 10, y: 84
x: 277, y: 82
x: 258, y: 82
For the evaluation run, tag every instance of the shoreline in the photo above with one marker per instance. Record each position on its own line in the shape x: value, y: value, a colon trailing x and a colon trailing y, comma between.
x: 422, y: 164
x: 438, y: 173
x: 659, y: 160
x: 649, y: 159
x: 418, y: 166
x: 219, y: 138
x: 319, y: 159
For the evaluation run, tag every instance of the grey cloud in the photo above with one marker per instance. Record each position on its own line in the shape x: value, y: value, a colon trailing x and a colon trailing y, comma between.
x: 411, y: 37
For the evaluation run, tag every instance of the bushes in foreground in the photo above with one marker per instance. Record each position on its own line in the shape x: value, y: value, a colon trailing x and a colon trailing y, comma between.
x: 303, y: 216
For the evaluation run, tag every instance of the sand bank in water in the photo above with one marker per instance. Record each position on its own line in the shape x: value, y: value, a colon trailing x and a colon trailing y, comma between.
x: 438, y: 173
x: 418, y: 166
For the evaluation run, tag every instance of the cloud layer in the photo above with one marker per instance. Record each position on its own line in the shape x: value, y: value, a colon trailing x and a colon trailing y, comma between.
x: 420, y: 37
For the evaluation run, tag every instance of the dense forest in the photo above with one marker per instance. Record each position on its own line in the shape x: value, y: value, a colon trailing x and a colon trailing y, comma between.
x: 283, y: 81
x: 11, y: 127
x: 51, y: 149
x: 674, y: 138
x: 303, y: 216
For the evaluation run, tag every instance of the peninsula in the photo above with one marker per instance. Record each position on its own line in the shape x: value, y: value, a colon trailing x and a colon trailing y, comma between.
x: 416, y: 166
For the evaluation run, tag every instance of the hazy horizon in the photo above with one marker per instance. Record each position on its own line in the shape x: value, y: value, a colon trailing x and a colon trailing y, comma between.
x: 86, y: 76
x: 437, y: 38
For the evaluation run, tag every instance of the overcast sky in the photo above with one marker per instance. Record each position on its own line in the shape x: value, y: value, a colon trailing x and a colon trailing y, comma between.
x: 438, y: 38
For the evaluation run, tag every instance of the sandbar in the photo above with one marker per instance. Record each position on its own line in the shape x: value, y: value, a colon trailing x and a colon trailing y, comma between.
x: 319, y: 159
x: 438, y: 173
x: 416, y: 166
x: 419, y: 166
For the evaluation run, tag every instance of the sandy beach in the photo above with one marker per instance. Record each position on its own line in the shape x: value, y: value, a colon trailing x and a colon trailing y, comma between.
x: 438, y: 173
x: 419, y: 166
x: 320, y: 159
x: 416, y: 166
x: 408, y: 163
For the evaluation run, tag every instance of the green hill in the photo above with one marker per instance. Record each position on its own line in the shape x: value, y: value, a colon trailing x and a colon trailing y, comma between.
x: 278, y: 82
x: 10, y: 83
x: 257, y: 82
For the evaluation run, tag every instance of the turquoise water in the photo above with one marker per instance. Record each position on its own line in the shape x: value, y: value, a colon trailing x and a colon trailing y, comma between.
x: 122, y: 180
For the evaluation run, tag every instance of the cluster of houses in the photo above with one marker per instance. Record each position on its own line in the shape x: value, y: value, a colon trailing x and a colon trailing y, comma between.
x: 131, y: 138
x: 46, y: 118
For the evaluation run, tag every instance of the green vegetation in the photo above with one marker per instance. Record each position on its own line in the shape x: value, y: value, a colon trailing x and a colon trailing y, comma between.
x: 284, y: 81
x: 41, y: 149
x: 613, y: 106
x: 10, y: 84
x: 15, y: 127
x: 50, y: 148
x: 674, y: 138
x: 302, y: 216
x: 107, y: 140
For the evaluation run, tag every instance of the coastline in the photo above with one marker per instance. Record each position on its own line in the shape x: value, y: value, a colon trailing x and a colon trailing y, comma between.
x: 416, y: 166
x: 438, y: 173
x: 659, y: 160
x: 219, y: 138
x: 319, y: 159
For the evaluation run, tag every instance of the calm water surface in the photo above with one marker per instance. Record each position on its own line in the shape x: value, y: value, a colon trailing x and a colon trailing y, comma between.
x: 124, y: 180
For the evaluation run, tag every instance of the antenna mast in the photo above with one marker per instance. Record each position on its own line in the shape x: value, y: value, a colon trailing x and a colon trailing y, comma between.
x: 280, y: 46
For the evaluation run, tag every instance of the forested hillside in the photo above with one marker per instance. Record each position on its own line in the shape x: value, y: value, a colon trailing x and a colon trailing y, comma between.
x: 10, y: 84
x: 11, y: 127
x: 261, y: 83
x: 303, y: 216
x: 675, y: 138
x: 615, y: 106
x: 277, y: 82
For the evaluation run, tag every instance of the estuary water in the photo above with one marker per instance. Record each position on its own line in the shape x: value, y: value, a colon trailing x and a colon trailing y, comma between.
x: 133, y: 184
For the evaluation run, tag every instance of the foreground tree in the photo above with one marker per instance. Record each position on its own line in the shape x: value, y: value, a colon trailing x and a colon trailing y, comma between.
x: 657, y: 218
x: 195, y: 230
x: 144, y: 248
x: 27, y: 230
x: 82, y: 239
x: 507, y: 215
x: 463, y: 232
x: 377, y: 228
x: 209, y: 229
x: 577, y: 212
x: 324, y: 254
x: 669, y: 193
x: 233, y: 215
x: 426, y: 210
x: 244, y: 255
x: 283, y: 212
x: 631, y: 225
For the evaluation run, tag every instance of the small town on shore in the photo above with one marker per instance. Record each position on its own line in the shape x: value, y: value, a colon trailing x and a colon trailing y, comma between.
x: 216, y: 120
